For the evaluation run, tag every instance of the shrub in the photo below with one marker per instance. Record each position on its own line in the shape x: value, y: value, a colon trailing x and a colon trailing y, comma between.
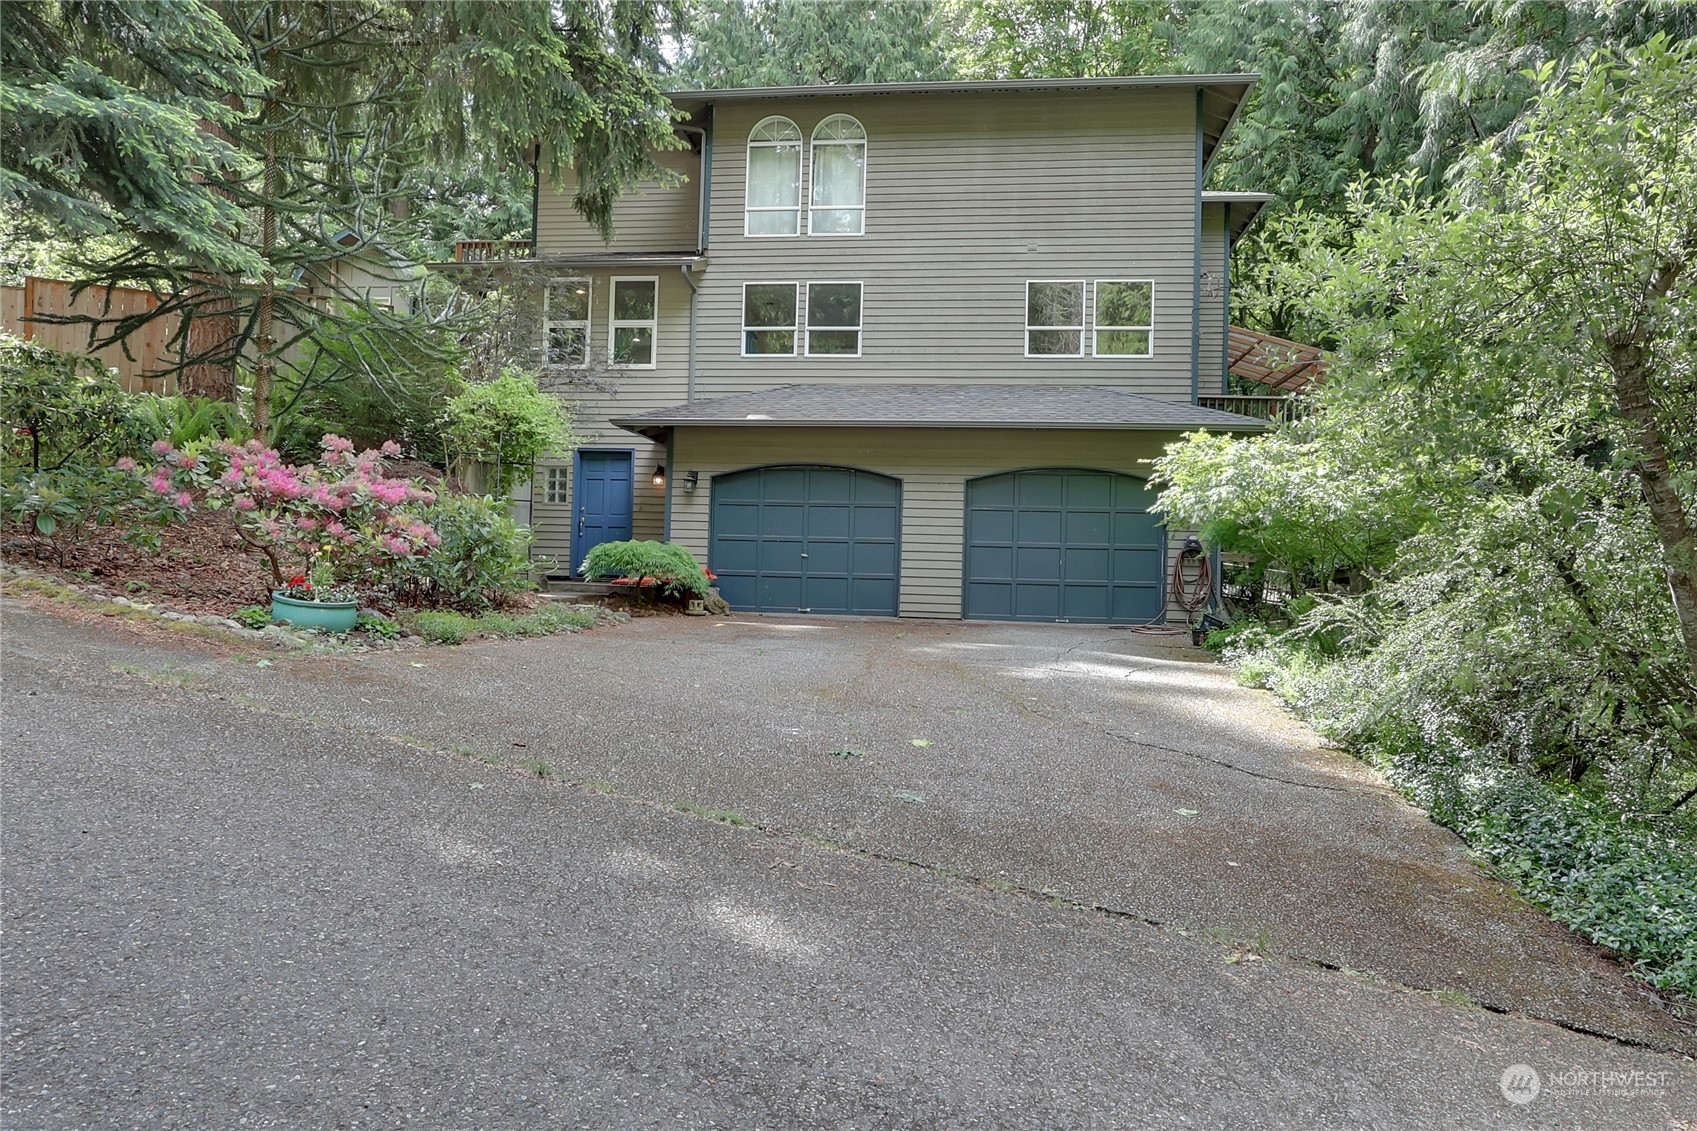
x: 190, y: 422
x: 55, y: 511
x: 254, y: 617
x: 666, y: 564
x: 482, y: 557
x: 59, y: 408
x: 508, y: 422
x: 341, y: 519
x: 441, y: 626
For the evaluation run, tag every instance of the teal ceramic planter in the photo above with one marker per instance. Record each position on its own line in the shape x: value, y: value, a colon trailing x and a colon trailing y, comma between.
x: 331, y: 616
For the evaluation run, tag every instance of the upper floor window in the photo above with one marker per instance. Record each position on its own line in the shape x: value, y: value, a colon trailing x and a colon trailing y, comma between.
x: 1125, y: 318
x: 1054, y: 318
x: 635, y: 320
x: 769, y: 318
x: 838, y: 194
x: 565, y: 322
x: 833, y: 319
x: 772, y: 198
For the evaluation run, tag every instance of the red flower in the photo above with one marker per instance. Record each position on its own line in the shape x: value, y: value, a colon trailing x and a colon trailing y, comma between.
x: 299, y: 582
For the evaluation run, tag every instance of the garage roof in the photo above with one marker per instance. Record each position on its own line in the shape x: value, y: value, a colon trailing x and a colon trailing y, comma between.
x: 938, y: 406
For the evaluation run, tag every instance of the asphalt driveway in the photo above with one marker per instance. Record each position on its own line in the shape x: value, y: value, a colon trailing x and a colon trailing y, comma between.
x: 225, y: 880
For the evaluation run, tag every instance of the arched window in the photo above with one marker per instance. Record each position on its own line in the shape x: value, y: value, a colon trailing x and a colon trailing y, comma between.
x: 772, y: 200
x: 839, y: 178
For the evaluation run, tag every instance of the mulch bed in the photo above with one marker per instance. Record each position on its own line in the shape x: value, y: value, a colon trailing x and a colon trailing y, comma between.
x: 201, y: 566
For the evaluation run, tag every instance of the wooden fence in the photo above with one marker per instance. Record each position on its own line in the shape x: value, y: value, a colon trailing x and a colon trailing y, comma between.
x: 138, y: 373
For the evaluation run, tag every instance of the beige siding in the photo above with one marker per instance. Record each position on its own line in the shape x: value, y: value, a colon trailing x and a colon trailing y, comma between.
x: 1211, y: 374
x: 656, y: 218
x: 969, y: 196
x: 933, y: 466
x: 633, y: 391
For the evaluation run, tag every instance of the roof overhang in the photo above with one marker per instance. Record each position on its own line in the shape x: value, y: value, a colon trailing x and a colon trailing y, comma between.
x: 1222, y: 95
x: 608, y: 259
x: 1026, y: 407
x: 1245, y: 208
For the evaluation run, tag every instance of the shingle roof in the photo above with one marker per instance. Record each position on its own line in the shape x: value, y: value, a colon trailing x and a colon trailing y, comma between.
x: 939, y: 406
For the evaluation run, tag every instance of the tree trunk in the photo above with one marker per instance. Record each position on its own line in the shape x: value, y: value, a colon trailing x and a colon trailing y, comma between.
x: 268, y: 242
x: 1673, y: 525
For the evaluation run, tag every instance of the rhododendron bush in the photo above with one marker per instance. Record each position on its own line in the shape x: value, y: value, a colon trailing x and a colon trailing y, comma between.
x: 340, y: 516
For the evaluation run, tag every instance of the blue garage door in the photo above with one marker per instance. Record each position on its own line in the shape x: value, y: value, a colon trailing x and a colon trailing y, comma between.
x: 1063, y: 545
x: 807, y: 540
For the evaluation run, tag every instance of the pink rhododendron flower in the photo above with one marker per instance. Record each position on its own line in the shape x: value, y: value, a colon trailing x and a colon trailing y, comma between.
x: 163, y: 447
x: 125, y: 464
x: 184, y: 499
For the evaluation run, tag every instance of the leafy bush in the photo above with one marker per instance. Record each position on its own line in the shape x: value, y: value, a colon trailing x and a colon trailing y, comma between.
x: 441, y: 626
x: 668, y: 564
x: 57, y: 408
x: 482, y: 557
x: 55, y: 511
x: 508, y: 422
x: 253, y: 616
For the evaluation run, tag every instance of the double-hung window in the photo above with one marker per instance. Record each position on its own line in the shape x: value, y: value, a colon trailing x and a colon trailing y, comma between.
x: 838, y: 178
x: 833, y: 319
x: 565, y: 322
x: 772, y: 197
x: 1054, y: 318
x: 1125, y: 318
x: 635, y: 319
x: 769, y: 319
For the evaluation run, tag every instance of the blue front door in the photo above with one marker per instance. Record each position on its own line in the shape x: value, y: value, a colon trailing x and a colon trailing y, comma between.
x: 601, y: 493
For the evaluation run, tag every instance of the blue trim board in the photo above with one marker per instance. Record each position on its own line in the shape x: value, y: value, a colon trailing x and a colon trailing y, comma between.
x: 1196, y: 269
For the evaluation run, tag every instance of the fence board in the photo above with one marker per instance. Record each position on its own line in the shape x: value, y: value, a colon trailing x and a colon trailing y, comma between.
x: 139, y: 373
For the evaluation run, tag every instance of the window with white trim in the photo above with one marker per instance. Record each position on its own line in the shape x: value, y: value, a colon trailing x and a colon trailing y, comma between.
x: 556, y: 485
x: 769, y: 319
x: 565, y: 322
x: 1124, y: 318
x: 1054, y: 318
x: 634, y: 322
x: 772, y: 194
x: 837, y: 181
x: 833, y: 319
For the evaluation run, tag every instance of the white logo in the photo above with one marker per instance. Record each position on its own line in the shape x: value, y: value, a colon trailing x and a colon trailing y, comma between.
x: 1520, y: 1084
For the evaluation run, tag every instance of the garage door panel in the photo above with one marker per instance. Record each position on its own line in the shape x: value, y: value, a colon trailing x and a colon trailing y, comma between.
x: 1088, y: 564
x: 1040, y: 489
x: 1089, y: 491
x: 1041, y: 527
x: 806, y: 538
x: 873, y: 559
x: 1071, y: 545
x: 876, y: 522
x: 1037, y: 563
x: 1087, y: 602
x: 1088, y: 528
x: 826, y: 559
x: 1037, y: 601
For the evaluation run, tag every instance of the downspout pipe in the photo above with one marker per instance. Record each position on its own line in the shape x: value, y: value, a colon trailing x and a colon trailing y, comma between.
x: 1226, y: 311
x: 694, y: 297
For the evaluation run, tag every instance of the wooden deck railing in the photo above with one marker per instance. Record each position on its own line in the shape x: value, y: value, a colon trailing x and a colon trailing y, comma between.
x: 490, y: 251
x: 1259, y: 407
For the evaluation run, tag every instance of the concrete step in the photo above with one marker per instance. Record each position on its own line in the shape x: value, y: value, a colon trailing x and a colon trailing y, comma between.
x: 554, y: 588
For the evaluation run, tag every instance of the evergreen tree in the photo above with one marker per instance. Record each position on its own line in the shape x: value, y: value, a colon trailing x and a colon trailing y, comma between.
x: 745, y: 43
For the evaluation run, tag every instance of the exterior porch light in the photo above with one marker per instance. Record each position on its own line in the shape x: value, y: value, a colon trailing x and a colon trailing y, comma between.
x: 660, y: 475
x: 691, y: 478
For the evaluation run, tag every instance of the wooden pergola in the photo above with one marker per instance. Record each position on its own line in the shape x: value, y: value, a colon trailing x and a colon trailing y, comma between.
x: 1279, y: 365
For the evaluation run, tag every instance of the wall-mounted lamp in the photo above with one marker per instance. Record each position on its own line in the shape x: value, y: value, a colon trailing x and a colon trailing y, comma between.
x: 660, y: 476
x: 1212, y: 285
x: 691, y: 478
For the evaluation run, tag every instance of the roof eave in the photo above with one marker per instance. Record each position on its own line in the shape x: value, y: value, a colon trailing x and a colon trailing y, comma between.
x: 656, y: 429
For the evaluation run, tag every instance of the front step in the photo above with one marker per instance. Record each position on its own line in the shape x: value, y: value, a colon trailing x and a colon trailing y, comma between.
x: 567, y: 588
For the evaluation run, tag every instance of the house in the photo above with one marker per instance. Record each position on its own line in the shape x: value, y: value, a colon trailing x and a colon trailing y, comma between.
x: 901, y: 349
x: 379, y: 275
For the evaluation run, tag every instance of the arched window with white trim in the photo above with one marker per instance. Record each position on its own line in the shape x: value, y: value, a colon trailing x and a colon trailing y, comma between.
x: 772, y: 199
x: 838, y: 196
